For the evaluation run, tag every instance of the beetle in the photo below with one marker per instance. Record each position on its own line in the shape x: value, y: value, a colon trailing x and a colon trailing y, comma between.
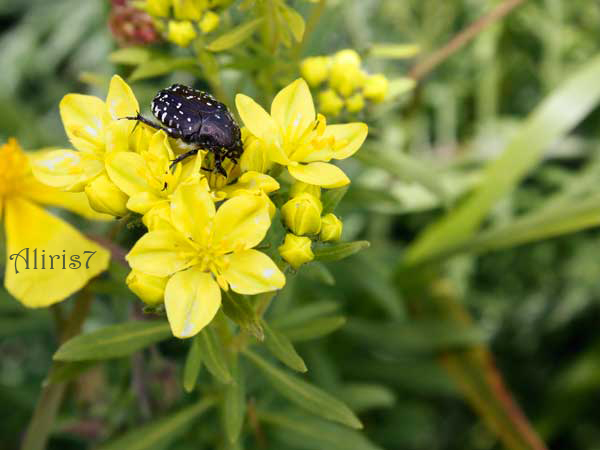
x: 196, y: 118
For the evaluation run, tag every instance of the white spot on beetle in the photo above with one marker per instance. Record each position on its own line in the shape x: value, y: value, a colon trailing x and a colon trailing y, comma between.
x: 162, y: 119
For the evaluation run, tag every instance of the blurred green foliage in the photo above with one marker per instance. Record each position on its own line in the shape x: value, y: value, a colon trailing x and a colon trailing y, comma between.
x: 537, y: 306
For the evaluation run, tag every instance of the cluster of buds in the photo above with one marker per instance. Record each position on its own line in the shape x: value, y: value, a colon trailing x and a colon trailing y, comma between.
x: 342, y: 83
x: 181, y: 21
x: 204, y: 228
x: 130, y: 25
x: 302, y: 216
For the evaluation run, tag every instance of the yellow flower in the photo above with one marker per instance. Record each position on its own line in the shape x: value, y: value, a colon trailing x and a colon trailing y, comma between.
x: 104, y: 195
x: 299, y: 187
x: 94, y: 129
x: 252, y: 183
x: 376, y: 87
x: 181, y: 32
x: 302, y: 214
x: 207, y: 250
x: 315, y: 70
x: 146, y: 177
x: 346, y: 74
x: 188, y: 9
x: 330, y: 102
x: 299, y: 139
x: 159, y: 8
x: 355, y: 103
x: 209, y: 22
x: 296, y: 250
x: 149, y: 288
x: 29, y: 227
x: 255, y: 157
x: 331, y: 228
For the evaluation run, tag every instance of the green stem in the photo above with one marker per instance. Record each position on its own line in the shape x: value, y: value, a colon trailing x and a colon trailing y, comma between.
x: 52, y: 394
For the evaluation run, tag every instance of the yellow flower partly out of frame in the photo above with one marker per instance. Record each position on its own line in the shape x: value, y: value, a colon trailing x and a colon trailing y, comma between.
x: 299, y: 139
x: 29, y: 226
x: 94, y: 129
x: 207, y: 250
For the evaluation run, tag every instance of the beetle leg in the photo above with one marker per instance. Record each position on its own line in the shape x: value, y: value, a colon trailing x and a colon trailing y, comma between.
x: 218, y: 163
x: 182, y: 157
x: 176, y: 134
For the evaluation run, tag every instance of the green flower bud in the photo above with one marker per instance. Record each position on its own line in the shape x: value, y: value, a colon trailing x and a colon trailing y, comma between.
x: 302, y: 214
x: 331, y: 228
x: 296, y: 250
x: 105, y: 197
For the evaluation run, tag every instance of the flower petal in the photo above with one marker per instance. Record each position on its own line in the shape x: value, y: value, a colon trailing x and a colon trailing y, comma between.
x: 30, y: 227
x: 241, y: 223
x: 161, y: 253
x: 255, y: 118
x: 293, y: 106
x: 192, y: 210
x: 121, y: 101
x: 143, y: 202
x: 66, y: 169
x: 252, y: 272
x: 85, y: 119
x: 320, y: 174
x: 348, y: 138
x: 251, y: 183
x: 192, y: 298
x: 128, y: 171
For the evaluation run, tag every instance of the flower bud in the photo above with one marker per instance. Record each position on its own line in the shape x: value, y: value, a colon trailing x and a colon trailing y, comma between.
x: 181, y: 32
x: 158, y: 8
x: 376, y: 87
x: 255, y: 157
x: 302, y: 214
x: 347, y: 56
x: 315, y: 70
x: 331, y: 228
x: 346, y: 78
x: 149, y: 288
x: 296, y: 250
x: 105, y: 197
x: 209, y: 21
x: 187, y: 9
x: 355, y: 103
x: 330, y: 102
x: 299, y: 187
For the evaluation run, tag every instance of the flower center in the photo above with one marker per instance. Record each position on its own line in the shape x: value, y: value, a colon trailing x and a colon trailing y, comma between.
x: 210, y: 256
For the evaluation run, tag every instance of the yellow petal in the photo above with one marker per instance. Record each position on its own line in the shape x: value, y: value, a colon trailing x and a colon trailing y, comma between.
x: 192, y: 210
x: 252, y: 183
x: 66, y: 169
x: 241, y: 223
x: 161, y: 253
x: 293, y: 106
x: 255, y: 118
x: 149, y: 288
x: 252, y: 272
x: 85, y: 119
x: 30, y: 227
x: 348, y: 137
x: 159, y: 217
x: 143, y: 202
x: 105, y: 197
x: 320, y: 174
x: 120, y: 100
x: 128, y: 171
x: 192, y: 298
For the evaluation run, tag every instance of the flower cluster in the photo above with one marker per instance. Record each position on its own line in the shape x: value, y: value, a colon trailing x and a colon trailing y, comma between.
x: 182, y: 20
x: 342, y: 83
x: 204, y: 228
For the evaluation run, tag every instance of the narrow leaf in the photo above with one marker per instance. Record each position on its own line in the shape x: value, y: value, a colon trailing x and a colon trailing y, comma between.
x: 160, y: 66
x: 305, y: 395
x: 282, y: 349
x: 234, y: 37
x: 335, y: 252
x: 314, y: 329
x: 131, y: 56
x: 295, y: 21
x: 213, y: 355
x: 159, y: 433
x: 331, y: 198
x: 113, y: 341
x: 193, y: 364
x: 239, y: 309
x: 234, y: 403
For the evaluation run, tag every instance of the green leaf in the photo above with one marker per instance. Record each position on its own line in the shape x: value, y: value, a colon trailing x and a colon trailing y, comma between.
x: 282, y: 349
x: 310, y: 433
x: 314, y: 329
x: 558, y: 114
x: 113, y: 341
x: 305, y: 395
x: 68, y: 371
x: 318, y: 272
x: 239, y: 309
x: 159, y: 433
x: 331, y: 198
x: 364, y: 396
x: 161, y: 66
x: 213, y: 355
x: 234, y: 37
x: 335, y: 252
x: 295, y: 22
x: 130, y: 56
x: 304, y: 313
x: 234, y: 402
x: 193, y: 364
x: 394, y: 51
